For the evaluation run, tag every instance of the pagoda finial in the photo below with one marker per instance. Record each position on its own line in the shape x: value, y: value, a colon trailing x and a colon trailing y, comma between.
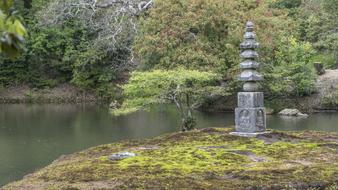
x: 249, y: 65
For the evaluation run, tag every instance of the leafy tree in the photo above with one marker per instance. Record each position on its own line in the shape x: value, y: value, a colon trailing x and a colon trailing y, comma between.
x: 286, y: 4
x: 318, y: 24
x: 112, y: 25
x: 205, y: 34
x: 331, y: 7
x: 12, y: 32
x: 292, y: 73
x: 82, y: 42
x: 92, y: 43
x: 184, y: 88
x: 50, y: 55
x: 85, y: 42
x: 337, y: 94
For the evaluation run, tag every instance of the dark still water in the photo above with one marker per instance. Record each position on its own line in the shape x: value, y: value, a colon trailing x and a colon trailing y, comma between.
x: 32, y: 136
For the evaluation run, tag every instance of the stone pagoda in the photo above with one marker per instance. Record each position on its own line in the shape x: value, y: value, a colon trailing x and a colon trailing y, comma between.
x: 250, y: 116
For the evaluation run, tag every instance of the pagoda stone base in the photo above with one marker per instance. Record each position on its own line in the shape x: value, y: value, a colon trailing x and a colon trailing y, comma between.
x: 250, y: 115
x: 240, y: 134
x: 250, y: 120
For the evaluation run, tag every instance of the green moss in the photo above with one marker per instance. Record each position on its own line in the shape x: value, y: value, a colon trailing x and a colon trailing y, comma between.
x: 205, y: 159
x: 185, y: 159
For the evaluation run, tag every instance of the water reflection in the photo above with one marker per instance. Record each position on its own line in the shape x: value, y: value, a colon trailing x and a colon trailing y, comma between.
x: 31, y: 136
x: 317, y: 122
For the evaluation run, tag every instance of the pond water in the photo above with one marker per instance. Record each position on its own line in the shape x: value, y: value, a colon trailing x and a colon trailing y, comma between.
x: 32, y: 136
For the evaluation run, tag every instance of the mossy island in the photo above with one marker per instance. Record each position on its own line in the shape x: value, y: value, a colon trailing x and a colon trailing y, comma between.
x: 133, y: 55
x: 199, y: 159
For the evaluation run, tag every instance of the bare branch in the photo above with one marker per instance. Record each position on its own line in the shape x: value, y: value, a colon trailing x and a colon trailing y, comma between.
x: 112, y: 21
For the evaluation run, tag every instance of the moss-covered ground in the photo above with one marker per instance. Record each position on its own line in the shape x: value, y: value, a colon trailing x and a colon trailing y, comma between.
x: 201, y: 159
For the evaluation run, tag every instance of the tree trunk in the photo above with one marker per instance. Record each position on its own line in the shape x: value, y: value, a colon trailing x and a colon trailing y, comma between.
x: 188, y: 121
x: 319, y: 68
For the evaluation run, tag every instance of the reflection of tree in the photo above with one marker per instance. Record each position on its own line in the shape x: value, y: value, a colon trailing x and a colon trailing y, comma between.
x: 157, y: 120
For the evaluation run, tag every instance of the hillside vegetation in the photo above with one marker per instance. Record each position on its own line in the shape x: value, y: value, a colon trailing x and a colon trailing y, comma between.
x: 95, y: 44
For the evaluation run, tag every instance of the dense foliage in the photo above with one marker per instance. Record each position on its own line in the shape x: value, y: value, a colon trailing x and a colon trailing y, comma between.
x: 205, y: 34
x: 49, y: 58
x: 292, y: 73
x: 12, y: 32
x: 185, y: 88
x: 318, y: 21
x: 76, y: 47
x: 94, y: 44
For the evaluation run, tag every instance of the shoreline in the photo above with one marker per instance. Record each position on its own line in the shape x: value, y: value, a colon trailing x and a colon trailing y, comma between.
x: 203, y: 159
x: 61, y: 94
x: 85, y: 100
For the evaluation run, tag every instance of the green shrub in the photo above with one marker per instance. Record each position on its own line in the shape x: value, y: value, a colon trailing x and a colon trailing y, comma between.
x: 337, y: 94
x: 318, y: 22
x: 12, y: 31
x: 49, y: 57
x: 184, y: 88
x: 286, y: 4
x: 57, y: 54
x: 205, y: 34
x: 292, y: 72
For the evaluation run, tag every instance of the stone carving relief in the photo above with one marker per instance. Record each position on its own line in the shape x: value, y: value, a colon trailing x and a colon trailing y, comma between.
x: 244, y: 118
x: 260, y: 120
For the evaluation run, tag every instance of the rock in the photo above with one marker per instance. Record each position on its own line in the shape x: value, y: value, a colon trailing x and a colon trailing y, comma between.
x: 302, y: 115
x: 269, y: 111
x: 292, y: 112
x: 114, y: 105
x: 121, y: 156
x: 289, y: 112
